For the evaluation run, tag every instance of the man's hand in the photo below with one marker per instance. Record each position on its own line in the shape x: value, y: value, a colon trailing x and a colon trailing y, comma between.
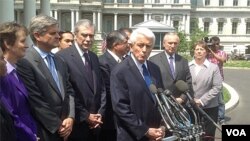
x: 66, y: 128
x: 95, y: 120
x: 155, y: 134
x: 179, y: 100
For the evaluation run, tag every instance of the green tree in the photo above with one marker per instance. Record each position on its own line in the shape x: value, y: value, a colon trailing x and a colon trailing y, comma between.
x: 94, y: 48
x: 183, y: 47
x: 195, y: 35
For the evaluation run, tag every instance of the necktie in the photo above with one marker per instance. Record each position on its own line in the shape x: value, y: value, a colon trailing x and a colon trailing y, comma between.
x: 147, y: 79
x: 146, y: 75
x: 171, y: 64
x: 88, y: 69
x: 52, y: 69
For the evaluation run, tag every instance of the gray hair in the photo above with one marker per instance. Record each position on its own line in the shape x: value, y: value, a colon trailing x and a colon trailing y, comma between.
x: 85, y: 23
x: 143, y: 31
x: 40, y: 24
x: 115, y: 37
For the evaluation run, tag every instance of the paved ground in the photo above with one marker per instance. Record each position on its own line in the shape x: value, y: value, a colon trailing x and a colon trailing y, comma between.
x: 238, y: 79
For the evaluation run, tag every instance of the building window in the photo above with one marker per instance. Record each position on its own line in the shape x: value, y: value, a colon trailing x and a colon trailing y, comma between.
x: 220, y: 27
x: 234, y: 27
x: 138, y: 1
x: 176, y: 1
x: 221, y: 3
x: 206, y: 26
x: 207, y: 2
x: 157, y: 1
x: 109, y: 1
x: 235, y: 3
x: 123, y: 1
x: 158, y: 40
x: 176, y: 25
x: 248, y: 2
x: 248, y: 28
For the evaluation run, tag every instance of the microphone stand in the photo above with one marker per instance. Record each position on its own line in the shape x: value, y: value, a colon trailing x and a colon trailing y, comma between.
x: 202, y: 111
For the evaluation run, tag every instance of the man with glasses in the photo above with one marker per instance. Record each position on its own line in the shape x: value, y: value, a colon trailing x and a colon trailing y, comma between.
x: 85, y: 76
x: 116, y: 49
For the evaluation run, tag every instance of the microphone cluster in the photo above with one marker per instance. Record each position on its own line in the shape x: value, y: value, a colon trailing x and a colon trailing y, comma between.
x: 175, y: 116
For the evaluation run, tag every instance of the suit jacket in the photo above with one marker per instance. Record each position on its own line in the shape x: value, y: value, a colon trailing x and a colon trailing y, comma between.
x: 50, y: 106
x: 132, y: 101
x: 90, y: 98
x: 181, y: 73
x: 207, y: 84
x: 15, y: 97
x: 107, y: 64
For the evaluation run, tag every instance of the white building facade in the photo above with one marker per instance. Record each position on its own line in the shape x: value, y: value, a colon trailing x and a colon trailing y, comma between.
x: 228, y: 19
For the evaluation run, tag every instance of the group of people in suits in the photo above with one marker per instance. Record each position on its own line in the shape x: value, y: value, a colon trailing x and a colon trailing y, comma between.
x: 74, y: 95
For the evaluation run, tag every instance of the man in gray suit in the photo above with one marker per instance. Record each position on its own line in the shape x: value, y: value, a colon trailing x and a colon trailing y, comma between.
x: 173, y: 66
x: 47, y: 80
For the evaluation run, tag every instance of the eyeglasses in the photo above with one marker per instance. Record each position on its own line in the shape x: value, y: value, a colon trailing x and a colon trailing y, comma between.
x: 87, y: 35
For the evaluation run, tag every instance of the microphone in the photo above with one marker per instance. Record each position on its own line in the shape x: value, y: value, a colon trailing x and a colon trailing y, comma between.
x: 183, y: 87
x: 153, y: 89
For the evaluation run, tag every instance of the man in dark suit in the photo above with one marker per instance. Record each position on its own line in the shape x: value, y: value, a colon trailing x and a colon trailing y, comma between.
x: 46, y: 78
x: 85, y: 76
x: 178, y: 70
x: 135, y: 107
x: 116, y: 49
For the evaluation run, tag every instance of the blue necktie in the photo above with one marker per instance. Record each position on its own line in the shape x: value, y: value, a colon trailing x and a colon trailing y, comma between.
x: 171, y: 64
x: 147, y: 79
x: 146, y: 75
x: 52, y: 69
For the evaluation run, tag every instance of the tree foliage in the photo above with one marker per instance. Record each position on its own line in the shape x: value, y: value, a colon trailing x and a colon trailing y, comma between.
x: 196, y: 34
x: 183, y: 47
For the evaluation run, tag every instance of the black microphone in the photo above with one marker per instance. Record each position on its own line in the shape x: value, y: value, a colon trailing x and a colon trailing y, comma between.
x: 183, y: 87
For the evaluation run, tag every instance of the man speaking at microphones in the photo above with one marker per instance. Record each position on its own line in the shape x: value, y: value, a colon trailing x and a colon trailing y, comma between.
x: 135, y: 107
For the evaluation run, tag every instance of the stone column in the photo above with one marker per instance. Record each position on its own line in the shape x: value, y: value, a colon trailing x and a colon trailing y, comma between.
x: 18, y: 14
x: 94, y: 17
x: 115, y: 21
x: 145, y: 17
x: 169, y: 20
x: 187, y: 24
x: 6, y: 10
x: 29, y: 7
x: 149, y: 16
x: 72, y: 20
x: 45, y: 7
x: 130, y: 19
x: 99, y: 20
x: 164, y: 18
x: 55, y: 14
x: 77, y: 15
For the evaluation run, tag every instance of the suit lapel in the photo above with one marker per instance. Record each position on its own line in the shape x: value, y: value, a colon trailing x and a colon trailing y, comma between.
x: 60, y: 78
x: 111, y: 60
x: 165, y: 63
x: 133, y: 68
x: 78, y: 60
x: 93, y: 87
x: 44, y: 70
